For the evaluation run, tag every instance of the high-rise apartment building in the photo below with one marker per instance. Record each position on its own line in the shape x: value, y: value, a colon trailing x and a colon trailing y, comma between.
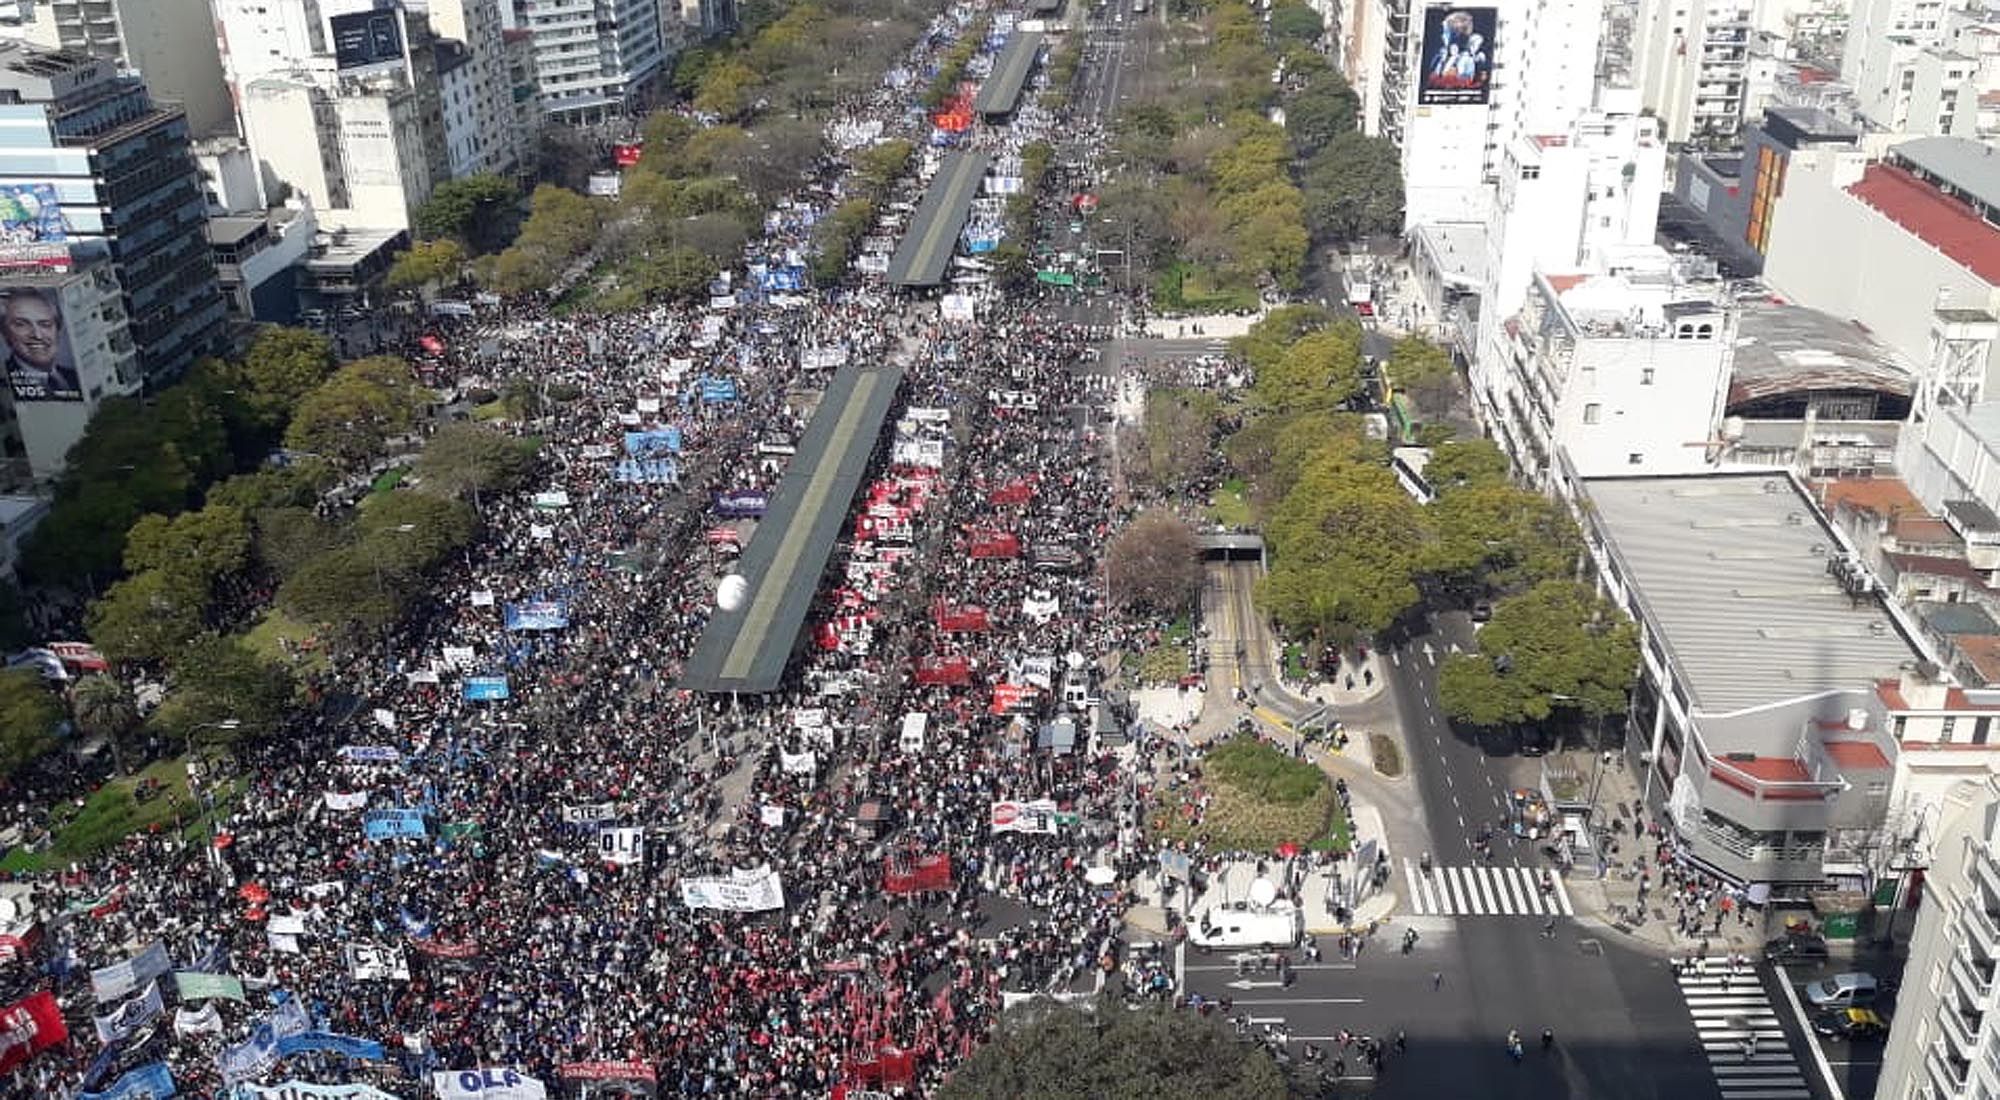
x: 1920, y: 69
x: 488, y: 138
x: 1944, y: 1043
x: 593, y: 58
x: 128, y: 189
x: 169, y: 43
x: 1691, y: 59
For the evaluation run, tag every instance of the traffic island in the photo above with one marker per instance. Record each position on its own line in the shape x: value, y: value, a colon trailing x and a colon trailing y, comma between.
x: 1250, y: 796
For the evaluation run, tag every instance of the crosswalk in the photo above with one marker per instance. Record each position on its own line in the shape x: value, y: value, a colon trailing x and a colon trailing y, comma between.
x: 1484, y: 891
x: 1740, y: 1032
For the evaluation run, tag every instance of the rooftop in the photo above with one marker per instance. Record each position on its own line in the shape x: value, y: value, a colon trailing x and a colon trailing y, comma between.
x: 1952, y: 619
x: 1947, y: 224
x: 1783, y: 349
x: 1731, y: 572
x: 1982, y: 652
x: 232, y: 230
x: 1458, y: 249
x: 1966, y: 166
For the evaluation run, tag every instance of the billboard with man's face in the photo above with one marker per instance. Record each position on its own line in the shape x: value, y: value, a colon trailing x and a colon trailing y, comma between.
x: 1457, y: 65
x: 40, y: 363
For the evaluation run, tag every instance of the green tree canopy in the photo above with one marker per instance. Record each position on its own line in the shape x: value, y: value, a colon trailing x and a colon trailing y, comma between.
x: 349, y: 419
x: 476, y: 210
x: 201, y: 546
x: 1557, y: 646
x: 427, y: 263
x: 1156, y: 1053
x: 102, y: 706
x: 220, y: 677
x: 29, y: 714
x: 1354, y: 188
x: 1319, y: 372
x: 1295, y: 23
x: 148, y: 617
x: 465, y: 458
x: 1348, y: 544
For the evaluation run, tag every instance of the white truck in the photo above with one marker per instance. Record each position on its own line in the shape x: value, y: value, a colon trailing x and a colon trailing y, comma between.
x: 1359, y: 280
x: 1279, y: 925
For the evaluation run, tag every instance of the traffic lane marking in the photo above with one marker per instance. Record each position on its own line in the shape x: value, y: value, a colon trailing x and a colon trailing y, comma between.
x: 1253, y: 1003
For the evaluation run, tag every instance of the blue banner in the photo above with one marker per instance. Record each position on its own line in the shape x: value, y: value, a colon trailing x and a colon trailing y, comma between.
x: 366, y: 1050
x: 480, y: 689
x: 783, y: 278
x: 717, y: 390
x: 370, y: 754
x: 536, y: 615
x: 653, y: 444
x: 255, y: 1056
x: 387, y: 824
x: 652, y: 471
x: 151, y: 1081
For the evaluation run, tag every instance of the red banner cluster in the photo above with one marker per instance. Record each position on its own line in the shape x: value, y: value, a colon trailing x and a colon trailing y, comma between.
x: 29, y: 1027
x: 944, y: 672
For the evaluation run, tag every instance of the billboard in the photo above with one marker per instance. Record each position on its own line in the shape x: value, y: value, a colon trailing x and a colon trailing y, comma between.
x: 1458, y: 56
x: 366, y: 38
x: 40, y: 364
x: 32, y: 230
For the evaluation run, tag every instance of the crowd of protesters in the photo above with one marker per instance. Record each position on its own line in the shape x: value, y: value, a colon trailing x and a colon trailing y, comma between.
x: 504, y: 916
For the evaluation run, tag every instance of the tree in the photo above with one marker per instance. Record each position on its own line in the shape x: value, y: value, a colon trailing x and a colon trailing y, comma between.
x: 102, y: 706
x: 465, y: 458
x: 410, y: 533
x: 1320, y: 114
x: 476, y: 210
x: 1269, y: 339
x: 281, y: 366
x: 1155, y: 563
x: 147, y: 618
x: 1347, y: 542
x: 345, y: 590
x: 201, y: 546
x: 1557, y: 646
x: 349, y: 420
x: 28, y: 716
x: 288, y: 537
x: 1296, y: 23
x: 1179, y: 432
x: 1354, y: 188
x: 560, y: 222
x: 1064, y: 1053
x: 426, y: 264
x: 218, y: 678
x: 726, y: 88
x: 1424, y: 370
x: 1463, y: 462
x: 1321, y: 371
x: 1501, y: 537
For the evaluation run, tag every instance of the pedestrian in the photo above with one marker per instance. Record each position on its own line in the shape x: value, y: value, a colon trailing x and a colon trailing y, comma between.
x: 1437, y: 980
x: 1549, y: 929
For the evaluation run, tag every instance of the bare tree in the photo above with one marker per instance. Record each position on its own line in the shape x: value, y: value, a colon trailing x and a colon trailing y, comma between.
x: 1154, y: 564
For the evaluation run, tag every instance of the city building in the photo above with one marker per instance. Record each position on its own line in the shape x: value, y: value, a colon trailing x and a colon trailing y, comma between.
x: 257, y: 260
x: 128, y: 192
x: 1615, y: 368
x: 356, y: 151
x: 168, y: 43
x: 593, y: 58
x: 1776, y: 771
x: 524, y: 100
x: 1455, y: 123
x: 1944, y: 1041
x: 487, y: 134
x: 708, y: 18
x: 1730, y: 198
x: 1920, y: 67
x: 1921, y: 217
x: 1691, y: 58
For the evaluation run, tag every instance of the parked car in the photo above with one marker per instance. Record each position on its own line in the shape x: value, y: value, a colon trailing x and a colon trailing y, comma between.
x: 1854, y: 990
x: 1790, y: 949
x: 1851, y: 1023
x: 1528, y: 813
x: 1482, y: 611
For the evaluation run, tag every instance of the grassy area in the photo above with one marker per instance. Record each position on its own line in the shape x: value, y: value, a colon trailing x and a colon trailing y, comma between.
x: 492, y: 410
x: 390, y: 479
x: 1231, y: 506
x: 1258, y: 799
x: 1200, y: 290
x: 283, y: 640
x: 110, y: 815
x: 1295, y: 663
x: 1162, y: 664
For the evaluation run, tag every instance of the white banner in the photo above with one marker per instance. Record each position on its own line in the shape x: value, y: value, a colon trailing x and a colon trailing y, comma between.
x: 487, y: 1084
x: 1041, y: 607
x: 352, y: 800
x: 590, y: 813
x: 385, y: 718
x: 205, y: 1021
x: 772, y: 816
x: 623, y: 846
x: 540, y: 533
x: 369, y: 962
x: 284, y: 944
x: 742, y: 892
x: 301, y: 1090
x: 482, y: 598
x: 122, y: 1022
x: 802, y: 763
x: 1038, y: 816
x: 287, y: 924
x: 459, y: 656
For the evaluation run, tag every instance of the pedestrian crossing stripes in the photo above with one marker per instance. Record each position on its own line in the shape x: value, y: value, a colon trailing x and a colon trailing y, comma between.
x: 1485, y: 891
x: 1740, y: 1032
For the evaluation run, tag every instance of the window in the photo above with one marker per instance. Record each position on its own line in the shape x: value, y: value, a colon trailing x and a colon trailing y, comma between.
x: 1635, y: 459
x: 1980, y: 729
x: 1646, y: 376
x: 1945, y: 731
x: 1592, y: 413
x: 1901, y: 722
x: 1531, y: 171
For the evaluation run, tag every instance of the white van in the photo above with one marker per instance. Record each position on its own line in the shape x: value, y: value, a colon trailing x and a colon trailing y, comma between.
x: 1238, y: 924
x: 1843, y: 991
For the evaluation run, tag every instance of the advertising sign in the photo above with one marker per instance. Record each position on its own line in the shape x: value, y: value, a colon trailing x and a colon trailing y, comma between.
x: 1458, y: 56
x: 32, y: 230
x: 366, y: 38
x: 40, y: 364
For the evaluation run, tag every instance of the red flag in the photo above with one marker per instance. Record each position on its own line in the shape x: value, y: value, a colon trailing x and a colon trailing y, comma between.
x: 29, y: 1027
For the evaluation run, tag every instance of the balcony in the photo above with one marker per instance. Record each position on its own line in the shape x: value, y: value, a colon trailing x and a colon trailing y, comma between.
x: 1973, y: 979
x: 1960, y: 1029
x: 1981, y: 930
x: 1945, y: 1070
